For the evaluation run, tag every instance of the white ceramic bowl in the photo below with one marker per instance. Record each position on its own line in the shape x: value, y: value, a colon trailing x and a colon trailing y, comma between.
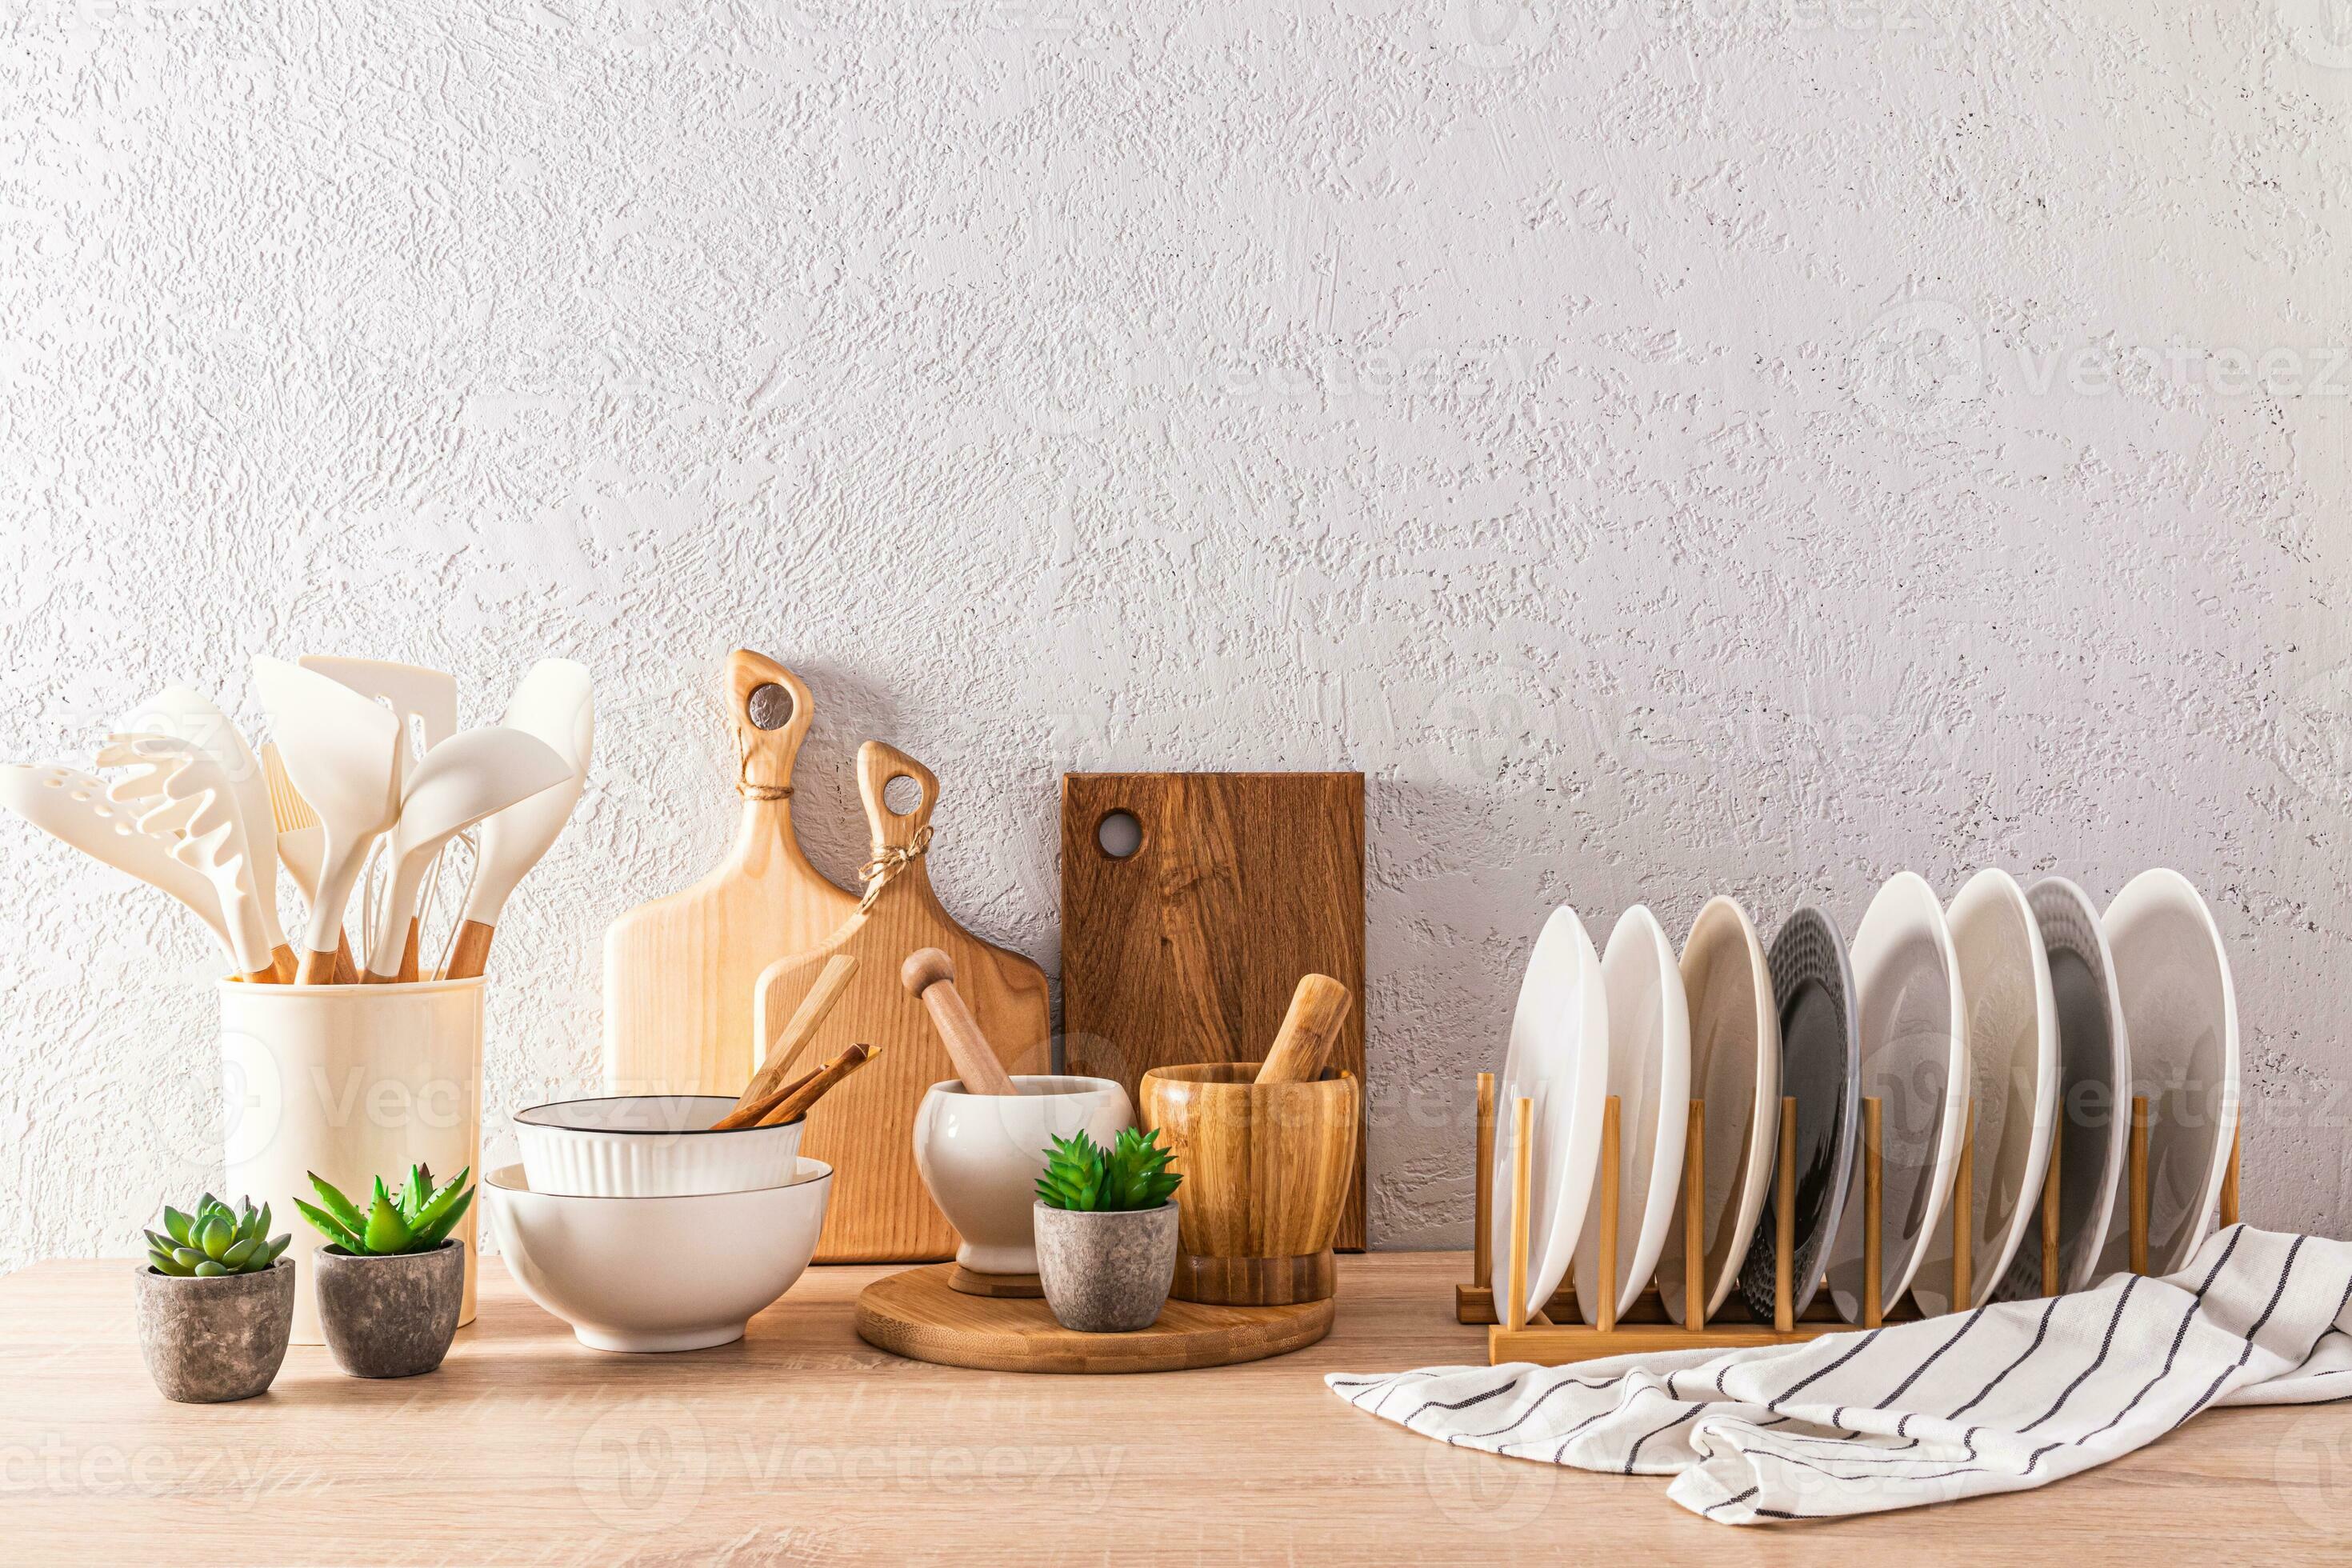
x: 658, y: 1274
x: 651, y: 1146
x: 980, y: 1155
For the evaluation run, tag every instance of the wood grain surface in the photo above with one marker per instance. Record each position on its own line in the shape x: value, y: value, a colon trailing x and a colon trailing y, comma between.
x: 678, y: 972
x: 802, y: 1444
x: 1189, y: 950
x: 919, y: 1313
x: 880, y: 1210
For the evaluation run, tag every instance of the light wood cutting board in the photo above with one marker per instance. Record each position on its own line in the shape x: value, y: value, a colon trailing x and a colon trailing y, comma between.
x: 879, y: 1210
x: 1188, y: 950
x: 678, y: 972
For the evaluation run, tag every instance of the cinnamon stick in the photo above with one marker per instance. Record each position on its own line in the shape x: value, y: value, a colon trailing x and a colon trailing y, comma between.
x: 796, y: 1104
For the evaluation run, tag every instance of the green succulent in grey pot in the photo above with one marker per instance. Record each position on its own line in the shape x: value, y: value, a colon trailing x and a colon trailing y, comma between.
x: 216, y: 1302
x: 1106, y: 1232
x: 390, y: 1281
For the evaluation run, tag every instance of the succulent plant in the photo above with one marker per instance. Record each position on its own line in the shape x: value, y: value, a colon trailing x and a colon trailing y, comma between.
x: 418, y: 1220
x: 1132, y: 1174
x: 215, y: 1240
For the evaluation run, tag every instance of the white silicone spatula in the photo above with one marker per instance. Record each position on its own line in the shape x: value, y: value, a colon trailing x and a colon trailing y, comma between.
x: 342, y: 750
x: 426, y: 702
x: 189, y: 715
x: 172, y: 781
x: 457, y: 784
x: 554, y: 703
x: 71, y: 805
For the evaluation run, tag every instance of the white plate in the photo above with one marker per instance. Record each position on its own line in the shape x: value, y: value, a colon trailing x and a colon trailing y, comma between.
x: 2180, y: 1009
x: 1735, y: 1046
x: 2093, y: 1081
x: 1649, y: 1072
x: 1915, y: 1058
x: 1559, y: 1058
x: 2012, y: 1029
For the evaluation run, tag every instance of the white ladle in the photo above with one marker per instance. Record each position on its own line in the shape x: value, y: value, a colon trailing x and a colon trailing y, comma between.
x: 191, y: 716
x: 208, y: 836
x: 342, y: 750
x: 555, y: 703
x: 70, y: 805
x: 459, y: 781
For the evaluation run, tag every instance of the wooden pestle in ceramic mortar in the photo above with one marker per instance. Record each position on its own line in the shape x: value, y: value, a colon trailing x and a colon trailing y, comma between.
x: 929, y: 975
x: 1318, y: 1007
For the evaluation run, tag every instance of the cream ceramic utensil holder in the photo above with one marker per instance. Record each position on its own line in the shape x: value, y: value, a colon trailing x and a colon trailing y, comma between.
x: 353, y: 1082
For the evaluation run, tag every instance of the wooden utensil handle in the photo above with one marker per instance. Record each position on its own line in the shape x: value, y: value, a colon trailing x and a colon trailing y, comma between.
x: 929, y: 975
x: 767, y: 755
x: 1317, y: 1008
x: 749, y: 1110
x: 470, y: 953
x: 796, y: 1104
x: 781, y: 1052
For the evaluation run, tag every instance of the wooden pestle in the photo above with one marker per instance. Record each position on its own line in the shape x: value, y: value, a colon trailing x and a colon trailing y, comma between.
x: 1318, y: 1007
x: 767, y: 1088
x: 929, y: 975
x: 796, y: 1104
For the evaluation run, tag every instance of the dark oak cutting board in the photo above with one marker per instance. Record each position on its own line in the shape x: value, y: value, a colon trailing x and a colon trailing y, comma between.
x: 1188, y: 949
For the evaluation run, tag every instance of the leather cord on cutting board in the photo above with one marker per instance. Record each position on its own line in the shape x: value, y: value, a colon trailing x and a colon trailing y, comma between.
x: 929, y: 975
x: 796, y: 1104
x: 768, y: 1088
x: 1318, y: 1007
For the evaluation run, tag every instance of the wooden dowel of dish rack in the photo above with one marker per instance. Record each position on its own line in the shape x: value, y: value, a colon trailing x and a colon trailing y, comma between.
x: 1604, y: 1283
x: 2230, y: 1182
x: 1874, y: 1118
x: 1695, y: 1218
x: 1784, y: 1223
x: 2049, y: 1209
x: 2135, y: 1182
x: 1482, y: 1246
x: 1523, y: 1125
x: 1964, y: 1210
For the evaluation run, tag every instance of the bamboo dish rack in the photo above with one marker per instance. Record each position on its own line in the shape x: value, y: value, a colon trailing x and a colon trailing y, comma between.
x: 1552, y: 1337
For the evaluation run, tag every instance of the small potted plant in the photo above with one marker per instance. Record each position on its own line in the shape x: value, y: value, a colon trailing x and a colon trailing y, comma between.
x: 1106, y: 1232
x: 390, y: 1281
x: 216, y: 1302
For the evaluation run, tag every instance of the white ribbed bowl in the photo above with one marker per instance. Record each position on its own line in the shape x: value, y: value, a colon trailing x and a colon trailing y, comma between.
x: 651, y: 1146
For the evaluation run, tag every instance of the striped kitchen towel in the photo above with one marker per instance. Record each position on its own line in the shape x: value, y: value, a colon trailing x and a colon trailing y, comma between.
x: 2011, y: 1396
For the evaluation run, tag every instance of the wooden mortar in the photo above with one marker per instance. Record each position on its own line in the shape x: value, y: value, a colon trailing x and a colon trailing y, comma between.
x: 1267, y: 1170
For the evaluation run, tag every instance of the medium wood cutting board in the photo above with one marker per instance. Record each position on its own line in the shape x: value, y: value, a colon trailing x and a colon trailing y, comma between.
x: 865, y: 1128
x: 1188, y: 950
x: 678, y: 972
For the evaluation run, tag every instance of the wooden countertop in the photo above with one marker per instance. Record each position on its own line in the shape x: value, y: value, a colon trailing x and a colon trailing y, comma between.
x: 802, y: 1443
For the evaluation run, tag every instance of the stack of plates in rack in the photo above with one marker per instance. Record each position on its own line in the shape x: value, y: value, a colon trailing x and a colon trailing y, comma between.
x: 2022, y: 1012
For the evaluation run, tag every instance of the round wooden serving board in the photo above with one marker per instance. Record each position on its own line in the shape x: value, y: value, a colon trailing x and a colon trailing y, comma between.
x: 916, y: 1313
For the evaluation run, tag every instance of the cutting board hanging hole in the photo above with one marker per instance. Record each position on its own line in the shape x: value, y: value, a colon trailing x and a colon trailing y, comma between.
x: 903, y: 794
x: 1118, y: 833
x: 771, y: 707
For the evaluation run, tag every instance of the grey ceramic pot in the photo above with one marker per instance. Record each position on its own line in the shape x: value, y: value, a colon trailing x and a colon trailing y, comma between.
x: 390, y: 1317
x: 207, y: 1340
x: 1105, y: 1273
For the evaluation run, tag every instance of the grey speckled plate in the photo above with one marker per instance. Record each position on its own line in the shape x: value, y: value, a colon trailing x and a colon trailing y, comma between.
x: 1821, y: 1066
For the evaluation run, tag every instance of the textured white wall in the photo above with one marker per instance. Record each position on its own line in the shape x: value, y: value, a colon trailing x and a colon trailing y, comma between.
x: 1671, y: 445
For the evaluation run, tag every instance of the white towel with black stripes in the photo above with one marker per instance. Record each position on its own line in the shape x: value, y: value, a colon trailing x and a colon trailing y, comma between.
x: 2008, y: 1397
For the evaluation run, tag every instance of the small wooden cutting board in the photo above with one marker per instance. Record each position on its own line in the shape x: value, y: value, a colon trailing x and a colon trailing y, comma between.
x: 1188, y: 949
x: 880, y: 1212
x: 678, y: 972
